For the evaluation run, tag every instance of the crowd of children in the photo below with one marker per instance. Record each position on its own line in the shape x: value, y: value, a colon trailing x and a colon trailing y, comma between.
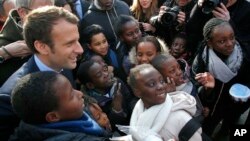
x: 88, y: 69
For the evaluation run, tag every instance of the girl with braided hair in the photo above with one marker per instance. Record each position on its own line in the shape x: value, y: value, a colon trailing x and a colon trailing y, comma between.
x: 221, y: 55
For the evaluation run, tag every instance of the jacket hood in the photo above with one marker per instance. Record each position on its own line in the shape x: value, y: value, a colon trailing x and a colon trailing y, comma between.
x: 183, y: 101
x: 12, y: 30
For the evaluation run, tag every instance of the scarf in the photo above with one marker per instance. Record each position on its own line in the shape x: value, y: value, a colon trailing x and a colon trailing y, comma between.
x: 152, y: 118
x: 85, y: 125
x: 224, y: 71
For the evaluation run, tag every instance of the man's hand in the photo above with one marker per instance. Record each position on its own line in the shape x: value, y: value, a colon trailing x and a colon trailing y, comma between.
x: 181, y: 17
x: 148, y: 27
x: 18, y: 49
x: 221, y: 12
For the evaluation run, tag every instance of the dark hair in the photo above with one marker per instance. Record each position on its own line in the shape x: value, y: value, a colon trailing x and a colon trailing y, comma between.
x: 60, y: 3
x: 150, y: 39
x: 121, y: 21
x: 89, y: 32
x: 181, y: 35
x: 210, y: 25
x: 34, y: 96
x: 83, y: 71
x: 159, y: 59
x: 39, y: 24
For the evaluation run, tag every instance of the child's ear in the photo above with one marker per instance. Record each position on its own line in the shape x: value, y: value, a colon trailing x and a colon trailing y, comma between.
x: 52, y: 117
x: 209, y: 43
x: 137, y: 93
x: 88, y: 46
x: 90, y: 85
x: 121, y: 38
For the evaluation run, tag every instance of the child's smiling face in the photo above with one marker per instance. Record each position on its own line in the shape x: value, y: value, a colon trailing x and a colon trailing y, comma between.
x: 150, y: 87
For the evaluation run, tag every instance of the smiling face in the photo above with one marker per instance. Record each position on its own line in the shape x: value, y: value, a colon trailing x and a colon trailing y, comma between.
x: 99, y: 44
x: 145, y: 4
x: 171, y: 68
x: 66, y: 49
x: 150, y: 87
x: 71, y: 101
x: 131, y: 33
x: 100, y: 76
x: 145, y: 52
x: 222, y: 39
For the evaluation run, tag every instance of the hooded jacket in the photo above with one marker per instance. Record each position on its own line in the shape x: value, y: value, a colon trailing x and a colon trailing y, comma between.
x: 166, y: 119
x: 105, y: 18
x: 11, y: 32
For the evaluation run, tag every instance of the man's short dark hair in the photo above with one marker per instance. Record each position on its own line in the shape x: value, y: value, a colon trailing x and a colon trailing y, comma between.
x: 34, y: 96
x: 40, y: 22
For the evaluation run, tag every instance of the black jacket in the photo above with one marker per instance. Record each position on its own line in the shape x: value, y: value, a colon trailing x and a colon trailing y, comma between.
x: 239, y: 13
x: 105, y: 18
x: 10, y: 33
x: 28, y: 132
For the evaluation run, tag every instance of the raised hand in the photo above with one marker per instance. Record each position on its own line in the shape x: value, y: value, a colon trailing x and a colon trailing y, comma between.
x: 117, y: 100
x: 205, y: 79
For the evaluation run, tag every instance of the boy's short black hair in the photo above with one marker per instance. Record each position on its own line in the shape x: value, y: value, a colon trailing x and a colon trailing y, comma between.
x: 90, y: 31
x: 159, y: 59
x: 34, y: 96
x: 83, y: 72
x: 123, y: 19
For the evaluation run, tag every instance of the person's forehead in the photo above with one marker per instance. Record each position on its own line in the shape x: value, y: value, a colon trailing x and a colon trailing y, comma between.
x: 146, y: 73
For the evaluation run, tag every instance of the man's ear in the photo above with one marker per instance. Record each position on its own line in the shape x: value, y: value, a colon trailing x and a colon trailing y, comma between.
x: 90, y: 85
x: 52, y: 117
x: 41, y: 47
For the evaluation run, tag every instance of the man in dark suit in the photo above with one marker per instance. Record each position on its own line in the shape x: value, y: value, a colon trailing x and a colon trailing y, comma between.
x: 54, y: 50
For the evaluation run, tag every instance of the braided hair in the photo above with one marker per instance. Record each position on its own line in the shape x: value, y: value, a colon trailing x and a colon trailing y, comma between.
x: 210, y: 25
x: 207, y: 30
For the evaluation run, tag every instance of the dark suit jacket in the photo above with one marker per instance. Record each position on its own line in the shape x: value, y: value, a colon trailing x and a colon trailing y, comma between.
x: 8, y: 119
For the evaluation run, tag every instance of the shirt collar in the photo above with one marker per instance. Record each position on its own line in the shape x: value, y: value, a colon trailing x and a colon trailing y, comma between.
x: 42, y: 66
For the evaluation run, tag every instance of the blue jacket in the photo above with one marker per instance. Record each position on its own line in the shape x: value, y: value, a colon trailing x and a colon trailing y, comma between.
x: 28, y: 132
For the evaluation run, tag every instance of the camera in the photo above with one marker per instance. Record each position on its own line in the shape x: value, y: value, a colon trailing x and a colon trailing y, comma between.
x: 209, y: 5
x: 170, y: 17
